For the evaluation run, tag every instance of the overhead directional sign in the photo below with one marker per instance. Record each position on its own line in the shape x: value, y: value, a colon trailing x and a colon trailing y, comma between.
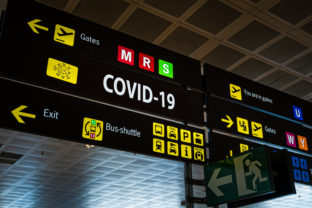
x: 66, y: 117
x: 231, y: 86
x: 234, y: 118
x: 59, y: 70
x: 29, y: 19
x: 242, y: 176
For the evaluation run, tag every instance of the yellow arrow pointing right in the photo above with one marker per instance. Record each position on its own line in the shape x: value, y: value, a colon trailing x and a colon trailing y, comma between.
x: 228, y: 120
x: 34, y: 26
x: 17, y: 114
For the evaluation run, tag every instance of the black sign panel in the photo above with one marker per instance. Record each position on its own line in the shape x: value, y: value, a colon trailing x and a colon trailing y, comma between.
x: 300, y: 166
x: 236, y: 88
x: 71, y: 73
x: 31, y: 20
x: 39, y: 111
x: 237, y: 119
x: 222, y: 146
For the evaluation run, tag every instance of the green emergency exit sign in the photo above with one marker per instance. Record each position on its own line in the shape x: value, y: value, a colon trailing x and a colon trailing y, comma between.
x: 242, y: 176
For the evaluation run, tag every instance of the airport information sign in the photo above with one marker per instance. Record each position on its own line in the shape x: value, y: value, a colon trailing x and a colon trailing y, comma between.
x: 31, y: 20
x: 49, y: 67
x: 228, y: 85
x: 234, y: 118
x: 242, y: 176
x: 44, y: 112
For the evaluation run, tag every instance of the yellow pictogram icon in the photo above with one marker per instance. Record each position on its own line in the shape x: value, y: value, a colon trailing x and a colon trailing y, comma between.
x: 185, y: 136
x: 199, y: 154
x: 256, y: 129
x: 158, y: 129
x: 173, y: 148
x: 243, y: 147
x: 198, y: 138
x: 64, y: 35
x: 92, y: 129
x: 172, y: 132
x: 63, y: 71
x: 231, y: 154
x: 17, y: 114
x: 159, y: 145
x: 242, y: 125
x: 186, y: 151
x: 235, y: 92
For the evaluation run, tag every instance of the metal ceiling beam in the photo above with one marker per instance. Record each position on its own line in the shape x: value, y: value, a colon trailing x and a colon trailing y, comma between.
x: 71, y: 6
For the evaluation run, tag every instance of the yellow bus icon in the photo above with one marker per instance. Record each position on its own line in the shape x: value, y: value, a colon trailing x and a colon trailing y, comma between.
x: 92, y: 129
x: 158, y: 129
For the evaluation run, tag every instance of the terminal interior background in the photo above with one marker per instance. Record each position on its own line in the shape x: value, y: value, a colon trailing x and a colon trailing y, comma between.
x: 268, y: 41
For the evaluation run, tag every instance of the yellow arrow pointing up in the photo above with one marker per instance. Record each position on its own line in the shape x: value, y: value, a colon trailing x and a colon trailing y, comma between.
x: 17, y: 114
x: 34, y: 26
x: 228, y: 121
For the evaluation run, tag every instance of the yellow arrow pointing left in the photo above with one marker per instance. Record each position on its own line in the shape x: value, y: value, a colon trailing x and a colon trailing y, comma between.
x: 34, y: 26
x: 17, y: 114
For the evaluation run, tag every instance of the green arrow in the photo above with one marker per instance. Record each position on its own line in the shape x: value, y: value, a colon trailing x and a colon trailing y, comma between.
x: 17, y: 114
x: 34, y: 26
x: 215, y: 182
x: 228, y: 121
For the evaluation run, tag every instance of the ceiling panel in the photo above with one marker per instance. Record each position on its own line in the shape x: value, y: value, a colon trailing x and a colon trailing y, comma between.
x: 303, y: 64
x: 299, y: 200
x: 307, y: 27
x: 292, y: 11
x: 91, y: 178
x: 251, y: 69
x: 183, y: 41
x: 301, y: 89
x: 173, y: 7
x: 103, y: 12
x: 213, y: 16
x: 144, y: 25
x: 253, y: 36
x: 277, y: 79
x: 3, y: 4
x: 59, y: 4
x: 255, y: 1
x: 222, y: 57
x: 283, y: 50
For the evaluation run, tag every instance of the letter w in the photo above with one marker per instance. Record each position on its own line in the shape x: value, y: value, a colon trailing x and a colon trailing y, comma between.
x: 291, y: 139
